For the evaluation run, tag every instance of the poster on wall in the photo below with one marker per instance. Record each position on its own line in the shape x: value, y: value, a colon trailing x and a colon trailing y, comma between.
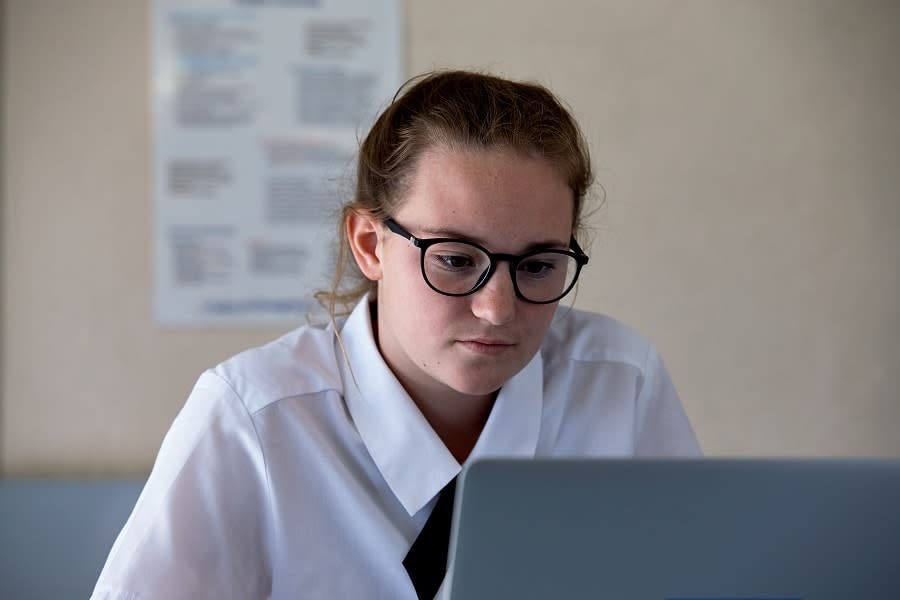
x: 258, y: 106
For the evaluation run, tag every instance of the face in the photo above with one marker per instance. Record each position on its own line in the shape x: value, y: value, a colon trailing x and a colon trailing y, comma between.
x: 470, y: 345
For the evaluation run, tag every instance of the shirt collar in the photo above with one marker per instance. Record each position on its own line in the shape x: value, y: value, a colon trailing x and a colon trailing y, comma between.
x: 411, y: 457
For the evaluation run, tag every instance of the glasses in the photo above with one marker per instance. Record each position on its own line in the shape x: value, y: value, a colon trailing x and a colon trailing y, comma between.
x: 454, y: 267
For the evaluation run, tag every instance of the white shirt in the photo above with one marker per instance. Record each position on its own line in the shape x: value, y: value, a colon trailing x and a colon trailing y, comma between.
x: 293, y: 472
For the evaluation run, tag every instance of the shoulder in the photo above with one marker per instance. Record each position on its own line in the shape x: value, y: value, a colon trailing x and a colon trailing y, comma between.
x: 302, y: 362
x: 600, y: 367
x: 581, y: 336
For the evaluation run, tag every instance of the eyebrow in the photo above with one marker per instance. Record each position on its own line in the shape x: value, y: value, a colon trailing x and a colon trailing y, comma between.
x: 452, y: 233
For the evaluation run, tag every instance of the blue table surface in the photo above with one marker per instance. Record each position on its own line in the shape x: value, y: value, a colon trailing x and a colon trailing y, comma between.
x: 55, y: 534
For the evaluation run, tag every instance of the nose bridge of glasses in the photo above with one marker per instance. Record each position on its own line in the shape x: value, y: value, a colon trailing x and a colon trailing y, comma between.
x: 493, y: 267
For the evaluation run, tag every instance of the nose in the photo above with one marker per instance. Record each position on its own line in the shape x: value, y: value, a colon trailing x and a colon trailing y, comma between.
x: 496, y: 301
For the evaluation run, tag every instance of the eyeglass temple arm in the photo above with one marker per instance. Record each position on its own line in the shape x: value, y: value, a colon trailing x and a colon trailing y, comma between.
x: 393, y: 226
x: 573, y: 244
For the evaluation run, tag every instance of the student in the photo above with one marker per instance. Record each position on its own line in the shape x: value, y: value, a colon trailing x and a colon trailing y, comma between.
x: 307, y: 468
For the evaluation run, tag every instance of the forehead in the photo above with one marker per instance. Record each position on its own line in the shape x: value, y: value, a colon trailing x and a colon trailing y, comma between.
x: 500, y: 197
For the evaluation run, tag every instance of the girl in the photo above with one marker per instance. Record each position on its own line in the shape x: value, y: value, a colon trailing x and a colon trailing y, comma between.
x: 308, y: 467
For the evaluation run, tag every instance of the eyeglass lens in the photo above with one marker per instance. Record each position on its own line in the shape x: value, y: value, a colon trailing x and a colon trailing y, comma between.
x: 457, y: 268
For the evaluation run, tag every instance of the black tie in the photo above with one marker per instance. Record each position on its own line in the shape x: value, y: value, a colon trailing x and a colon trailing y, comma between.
x: 426, y: 561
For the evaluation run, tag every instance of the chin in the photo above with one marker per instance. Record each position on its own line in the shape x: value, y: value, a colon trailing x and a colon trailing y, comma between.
x: 474, y: 390
x: 480, y: 384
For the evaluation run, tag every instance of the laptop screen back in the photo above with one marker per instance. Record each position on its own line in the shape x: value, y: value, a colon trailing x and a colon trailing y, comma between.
x: 685, y: 530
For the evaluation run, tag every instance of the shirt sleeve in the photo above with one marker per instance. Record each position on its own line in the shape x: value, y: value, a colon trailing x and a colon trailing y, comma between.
x: 661, y: 425
x: 200, y: 528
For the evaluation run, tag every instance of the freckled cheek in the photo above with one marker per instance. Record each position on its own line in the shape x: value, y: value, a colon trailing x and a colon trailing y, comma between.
x: 427, y: 319
x: 420, y: 316
x: 438, y: 330
x: 537, y: 321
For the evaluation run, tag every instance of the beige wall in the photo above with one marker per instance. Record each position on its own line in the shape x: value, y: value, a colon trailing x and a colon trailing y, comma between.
x: 750, y: 152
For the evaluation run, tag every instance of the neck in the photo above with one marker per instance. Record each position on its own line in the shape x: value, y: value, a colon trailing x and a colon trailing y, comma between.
x: 456, y: 418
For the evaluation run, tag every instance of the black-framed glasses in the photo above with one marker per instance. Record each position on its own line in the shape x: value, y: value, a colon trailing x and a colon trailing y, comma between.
x: 455, y: 267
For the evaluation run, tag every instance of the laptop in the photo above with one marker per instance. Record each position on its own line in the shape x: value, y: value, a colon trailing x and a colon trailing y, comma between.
x: 696, y: 529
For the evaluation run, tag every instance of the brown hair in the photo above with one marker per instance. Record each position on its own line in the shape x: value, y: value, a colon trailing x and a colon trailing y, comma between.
x: 459, y: 110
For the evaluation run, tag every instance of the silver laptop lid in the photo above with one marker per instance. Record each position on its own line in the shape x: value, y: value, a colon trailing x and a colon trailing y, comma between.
x: 677, y: 529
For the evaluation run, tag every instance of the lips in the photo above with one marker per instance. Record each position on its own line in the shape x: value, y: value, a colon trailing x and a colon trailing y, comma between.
x: 490, y: 342
x: 487, y: 346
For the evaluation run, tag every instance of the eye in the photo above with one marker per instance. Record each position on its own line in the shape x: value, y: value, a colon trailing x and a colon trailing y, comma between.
x: 453, y: 262
x: 537, y: 268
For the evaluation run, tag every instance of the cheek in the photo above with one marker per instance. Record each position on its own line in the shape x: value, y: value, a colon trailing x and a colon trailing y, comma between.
x: 537, y: 318
x: 418, y: 311
x: 402, y: 272
x: 430, y: 317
